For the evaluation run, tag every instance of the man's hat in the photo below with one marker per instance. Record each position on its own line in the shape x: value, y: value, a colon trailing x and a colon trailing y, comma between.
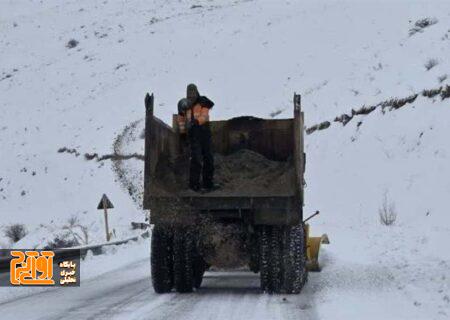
x: 192, y: 92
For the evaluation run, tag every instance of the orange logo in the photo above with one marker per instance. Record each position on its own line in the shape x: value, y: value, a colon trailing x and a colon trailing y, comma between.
x: 32, y: 268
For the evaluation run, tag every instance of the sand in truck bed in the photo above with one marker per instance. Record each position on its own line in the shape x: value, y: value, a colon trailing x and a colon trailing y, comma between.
x: 243, y: 173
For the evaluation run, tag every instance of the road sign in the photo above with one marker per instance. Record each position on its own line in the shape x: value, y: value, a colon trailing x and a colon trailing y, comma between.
x: 105, y: 204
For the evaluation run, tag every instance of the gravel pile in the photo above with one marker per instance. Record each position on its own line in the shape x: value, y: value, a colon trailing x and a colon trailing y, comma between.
x: 249, y: 173
x: 243, y: 173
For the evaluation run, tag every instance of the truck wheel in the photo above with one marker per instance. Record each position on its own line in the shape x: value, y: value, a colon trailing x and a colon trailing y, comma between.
x: 183, y: 249
x: 200, y: 265
x: 264, y: 262
x: 276, y: 263
x: 283, y: 260
x: 271, y: 259
x: 254, y: 254
x: 294, y: 273
x: 161, y: 259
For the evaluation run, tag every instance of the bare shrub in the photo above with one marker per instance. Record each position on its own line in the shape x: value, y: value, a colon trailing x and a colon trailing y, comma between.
x: 387, y: 212
x: 344, y: 118
x: 15, y: 232
x: 421, y: 24
x: 363, y: 110
x: 431, y: 63
x: 73, y: 234
x: 61, y: 241
x: 442, y: 78
x: 424, y: 23
x: 320, y: 126
x: 396, y: 103
x: 431, y: 92
x: 72, y: 43
x: 445, y: 93
x: 67, y: 150
x: 79, y: 232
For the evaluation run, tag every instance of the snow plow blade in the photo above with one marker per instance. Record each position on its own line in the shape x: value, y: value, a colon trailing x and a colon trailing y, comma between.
x: 313, y: 248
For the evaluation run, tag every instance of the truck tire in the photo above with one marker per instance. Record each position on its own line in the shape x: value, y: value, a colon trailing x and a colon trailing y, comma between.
x: 161, y: 259
x: 271, y: 259
x: 294, y: 273
x: 183, y: 260
x: 264, y: 262
x: 254, y: 253
x: 283, y: 259
x: 276, y: 262
x: 200, y: 265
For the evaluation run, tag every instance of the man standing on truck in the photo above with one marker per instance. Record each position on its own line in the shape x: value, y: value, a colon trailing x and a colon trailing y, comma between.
x: 193, y: 120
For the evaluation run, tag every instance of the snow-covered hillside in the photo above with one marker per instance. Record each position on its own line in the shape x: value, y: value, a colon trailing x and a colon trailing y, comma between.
x: 249, y: 57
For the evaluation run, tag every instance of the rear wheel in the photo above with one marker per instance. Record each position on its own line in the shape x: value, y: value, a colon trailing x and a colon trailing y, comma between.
x: 254, y: 253
x: 283, y: 260
x: 265, y: 274
x: 161, y: 259
x: 183, y: 249
x: 275, y: 262
x: 200, y: 266
x: 294, y: 273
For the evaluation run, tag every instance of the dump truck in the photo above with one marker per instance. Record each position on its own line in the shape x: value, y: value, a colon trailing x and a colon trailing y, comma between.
x: 255, y: 218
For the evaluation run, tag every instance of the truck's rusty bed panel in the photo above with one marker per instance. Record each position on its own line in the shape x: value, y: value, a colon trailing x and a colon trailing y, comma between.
x: 278, y: 140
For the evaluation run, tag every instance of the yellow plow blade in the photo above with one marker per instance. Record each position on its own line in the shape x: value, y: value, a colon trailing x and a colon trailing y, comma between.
x: 313, y: 248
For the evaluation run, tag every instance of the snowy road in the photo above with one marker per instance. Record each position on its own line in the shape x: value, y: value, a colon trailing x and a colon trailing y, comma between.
x: 352, y: 284
x: 127, y: 294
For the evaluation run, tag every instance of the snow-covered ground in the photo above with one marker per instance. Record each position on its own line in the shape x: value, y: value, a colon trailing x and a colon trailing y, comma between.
x: 249, y: 57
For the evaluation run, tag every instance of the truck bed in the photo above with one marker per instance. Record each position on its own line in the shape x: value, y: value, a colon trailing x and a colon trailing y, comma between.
x: 259, y: 166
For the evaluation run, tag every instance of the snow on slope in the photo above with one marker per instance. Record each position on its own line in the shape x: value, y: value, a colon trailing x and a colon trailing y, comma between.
x: 100, y: 83
x: 403, y: 153
x: 249, y: 57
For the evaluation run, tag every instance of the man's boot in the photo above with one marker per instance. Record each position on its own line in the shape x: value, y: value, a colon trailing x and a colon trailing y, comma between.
x: 195, y: 187
x: 210, y: 186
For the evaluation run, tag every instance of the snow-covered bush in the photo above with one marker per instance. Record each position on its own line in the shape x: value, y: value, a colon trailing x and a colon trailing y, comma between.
x: 72, y: 43
x: 78, y: 231
x: 445, y: 93
x: 431, y: 63
x: 62, y: 241
x: 15, y: 232
x: 387, y: 211
x: 442, y: 78
x: 72, y: 234
x: 421, y: 24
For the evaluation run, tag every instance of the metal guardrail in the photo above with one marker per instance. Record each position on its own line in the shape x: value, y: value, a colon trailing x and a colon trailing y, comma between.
x: 81, y: 250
